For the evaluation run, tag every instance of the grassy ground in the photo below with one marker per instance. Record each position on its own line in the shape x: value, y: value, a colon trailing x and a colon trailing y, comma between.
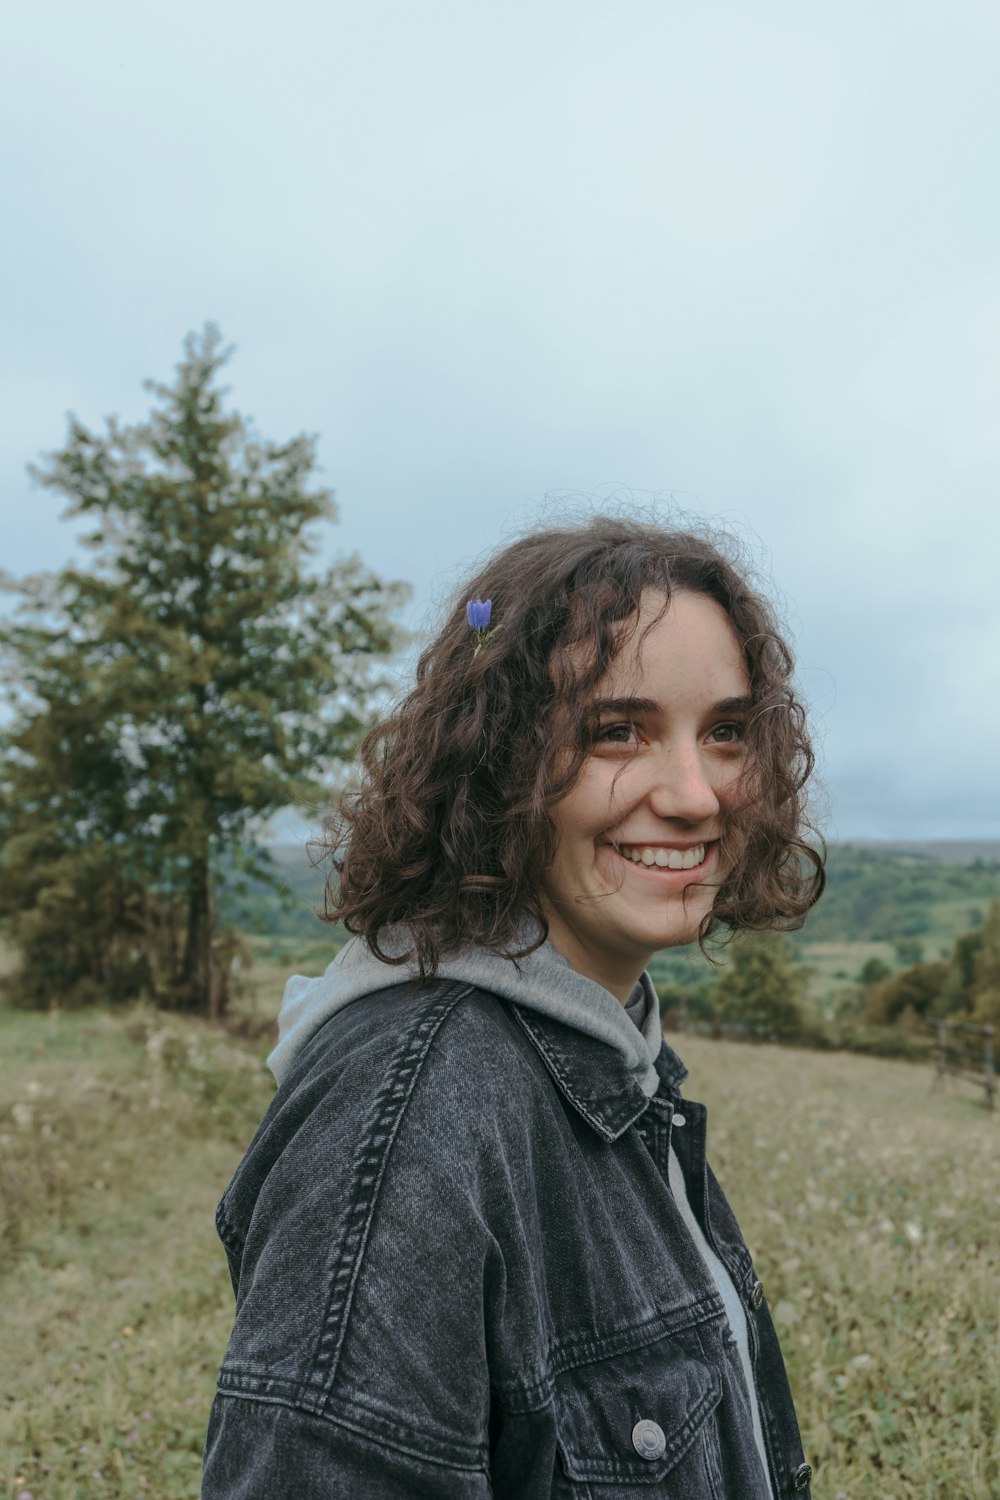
x: 871, y: 1206
x: 875, y: 1226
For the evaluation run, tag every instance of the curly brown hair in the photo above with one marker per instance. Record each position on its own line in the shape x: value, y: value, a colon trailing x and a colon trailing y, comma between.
x: 449, y: 833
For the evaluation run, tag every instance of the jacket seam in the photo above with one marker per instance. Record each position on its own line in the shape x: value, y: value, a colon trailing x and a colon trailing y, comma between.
x: 517, y: 1398
x: 231, y: 1241
x: 339, y: 1420
x: 573, y: 1354
x: 388, y: 1110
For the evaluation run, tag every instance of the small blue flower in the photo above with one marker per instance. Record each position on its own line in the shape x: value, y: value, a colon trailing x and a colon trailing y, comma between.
x: 478, y: 613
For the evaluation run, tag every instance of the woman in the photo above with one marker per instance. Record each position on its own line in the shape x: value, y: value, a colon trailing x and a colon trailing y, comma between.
x: 476, y: 1247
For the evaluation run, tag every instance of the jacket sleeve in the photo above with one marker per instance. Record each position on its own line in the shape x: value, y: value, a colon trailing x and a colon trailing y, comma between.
x: 365, y: 1271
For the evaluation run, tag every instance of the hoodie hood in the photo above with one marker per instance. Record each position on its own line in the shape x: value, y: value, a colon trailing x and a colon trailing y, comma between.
x: 543, y: 981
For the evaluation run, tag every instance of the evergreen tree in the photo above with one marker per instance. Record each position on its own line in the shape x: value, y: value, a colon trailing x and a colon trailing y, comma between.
x: 763, y: 989
x: 986, y: 977
x: 957, y: 991
x: 195, y: 680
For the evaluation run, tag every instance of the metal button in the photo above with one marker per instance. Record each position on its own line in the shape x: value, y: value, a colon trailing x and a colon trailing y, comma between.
x: 678, y: 1119
x: 648, y: 1439
x: 757, y: 1297
x: 801, y: 1477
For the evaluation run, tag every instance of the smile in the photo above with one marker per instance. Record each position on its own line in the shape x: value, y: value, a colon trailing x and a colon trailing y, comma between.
x: 667, y: 859
x: 671, y: 866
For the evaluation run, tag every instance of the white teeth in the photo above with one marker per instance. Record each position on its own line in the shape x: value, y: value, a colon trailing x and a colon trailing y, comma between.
x: 666, y: 859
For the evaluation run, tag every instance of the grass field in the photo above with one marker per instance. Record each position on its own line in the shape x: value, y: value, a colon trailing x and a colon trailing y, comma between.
x: 872, y: 1208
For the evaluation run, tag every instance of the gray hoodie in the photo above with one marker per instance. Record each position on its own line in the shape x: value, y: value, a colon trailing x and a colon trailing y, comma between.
x: 543, y: 981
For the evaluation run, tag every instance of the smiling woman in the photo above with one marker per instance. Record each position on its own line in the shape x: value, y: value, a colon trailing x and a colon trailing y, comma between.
x: 476, y: 1244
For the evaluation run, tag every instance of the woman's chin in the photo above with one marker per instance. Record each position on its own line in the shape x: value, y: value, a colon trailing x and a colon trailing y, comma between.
x: 678, y: 928
x: 678, y: 938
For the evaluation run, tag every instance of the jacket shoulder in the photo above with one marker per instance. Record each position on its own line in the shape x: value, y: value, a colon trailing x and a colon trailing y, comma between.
x: 407, y: 1058
x: 456, y: 1037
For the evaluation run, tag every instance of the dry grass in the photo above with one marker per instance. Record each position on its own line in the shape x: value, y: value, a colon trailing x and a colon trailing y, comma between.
x: 872, y: 1209
x: 116, y: 1137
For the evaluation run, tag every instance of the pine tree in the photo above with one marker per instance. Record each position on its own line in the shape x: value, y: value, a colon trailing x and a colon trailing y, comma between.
x: 194, y: 681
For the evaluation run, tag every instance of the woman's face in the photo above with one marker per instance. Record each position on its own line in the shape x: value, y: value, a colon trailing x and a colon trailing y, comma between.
x: 669, y: 747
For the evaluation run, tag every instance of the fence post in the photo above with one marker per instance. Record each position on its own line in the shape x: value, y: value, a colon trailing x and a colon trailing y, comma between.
x: 991, y: 1082
x: 940, y: 1057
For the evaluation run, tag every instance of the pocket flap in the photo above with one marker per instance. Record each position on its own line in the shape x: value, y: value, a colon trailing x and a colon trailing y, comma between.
x: 600, y: 1404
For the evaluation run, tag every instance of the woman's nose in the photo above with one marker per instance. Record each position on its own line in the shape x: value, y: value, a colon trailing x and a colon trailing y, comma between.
x: 680, y: 787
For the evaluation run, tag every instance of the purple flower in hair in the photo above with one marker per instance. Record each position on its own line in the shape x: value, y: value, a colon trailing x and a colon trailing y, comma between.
x: 478, y: 612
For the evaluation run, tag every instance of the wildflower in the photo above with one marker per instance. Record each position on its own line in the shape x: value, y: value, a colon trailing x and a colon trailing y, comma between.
x: 478, y: 612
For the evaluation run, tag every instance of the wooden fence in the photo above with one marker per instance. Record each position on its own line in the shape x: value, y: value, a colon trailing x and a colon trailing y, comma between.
x: 965, y: 1051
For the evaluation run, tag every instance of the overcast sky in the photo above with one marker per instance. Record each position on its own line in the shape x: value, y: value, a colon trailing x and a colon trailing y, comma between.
x: 747, y: 257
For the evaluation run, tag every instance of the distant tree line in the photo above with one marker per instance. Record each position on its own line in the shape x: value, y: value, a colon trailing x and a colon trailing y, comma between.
x: 760, y: 993
x: 193, y: 681
x: 966, y: 985
x: 884, y: 896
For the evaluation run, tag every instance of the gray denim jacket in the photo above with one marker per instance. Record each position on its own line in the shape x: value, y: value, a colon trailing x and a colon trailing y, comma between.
x: 460, y: 1272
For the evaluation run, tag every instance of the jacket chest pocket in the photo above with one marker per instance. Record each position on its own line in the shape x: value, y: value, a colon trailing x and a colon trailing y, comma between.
x: 639, y: 1424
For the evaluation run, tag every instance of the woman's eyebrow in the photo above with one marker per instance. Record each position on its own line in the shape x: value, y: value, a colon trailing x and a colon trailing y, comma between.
x: 626, y: 706
x: 639, y: 706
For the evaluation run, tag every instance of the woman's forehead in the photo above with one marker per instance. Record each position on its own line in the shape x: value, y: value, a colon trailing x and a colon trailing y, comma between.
x: 687, y: 646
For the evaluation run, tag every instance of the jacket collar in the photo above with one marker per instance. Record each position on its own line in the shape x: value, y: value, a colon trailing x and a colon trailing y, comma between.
x: 593, y: 1077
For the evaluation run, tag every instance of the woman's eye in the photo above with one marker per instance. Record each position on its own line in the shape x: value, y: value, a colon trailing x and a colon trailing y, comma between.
x: 616, y: 734
x: 733, y: 733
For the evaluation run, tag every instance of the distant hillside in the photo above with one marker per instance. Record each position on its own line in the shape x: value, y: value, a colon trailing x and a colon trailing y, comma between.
x: 877, y: 892
x: 883, y: 893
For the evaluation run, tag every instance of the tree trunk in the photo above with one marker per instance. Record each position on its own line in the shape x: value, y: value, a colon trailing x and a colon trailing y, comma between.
x: 198, y: 974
